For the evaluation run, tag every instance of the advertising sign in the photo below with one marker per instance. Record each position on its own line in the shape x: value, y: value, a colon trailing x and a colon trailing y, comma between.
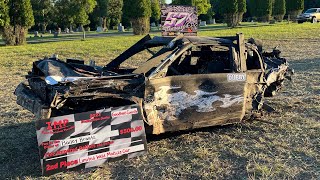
x: 179, y: 19
x: 90, y: 139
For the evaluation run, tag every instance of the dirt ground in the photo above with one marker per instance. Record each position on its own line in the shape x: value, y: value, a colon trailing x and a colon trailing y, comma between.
x: 288, y: 150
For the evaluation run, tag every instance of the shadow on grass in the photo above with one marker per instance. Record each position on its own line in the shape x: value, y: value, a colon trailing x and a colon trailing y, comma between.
x: 171, y: 154
x: 74, y: 37
x: 19, y: 151
x: 69, y: 37
x: 221, y: 129
x: 306, y: 65
x: 79, y: 36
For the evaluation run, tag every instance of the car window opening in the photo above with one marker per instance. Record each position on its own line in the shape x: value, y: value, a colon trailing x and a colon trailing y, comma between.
x: 253, y: 61
x: 202, y: 60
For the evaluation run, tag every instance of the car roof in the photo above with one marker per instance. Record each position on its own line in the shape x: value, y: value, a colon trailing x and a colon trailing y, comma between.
x: 206, y: 40
x: 196, y: 40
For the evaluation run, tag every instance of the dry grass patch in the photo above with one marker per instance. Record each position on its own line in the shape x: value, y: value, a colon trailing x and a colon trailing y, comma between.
x: 288, y: 150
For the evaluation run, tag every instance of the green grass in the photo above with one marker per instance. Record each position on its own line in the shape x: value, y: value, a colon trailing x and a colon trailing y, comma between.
x: 105, y: 48
x: 289, y: 150
x: 267, y: 31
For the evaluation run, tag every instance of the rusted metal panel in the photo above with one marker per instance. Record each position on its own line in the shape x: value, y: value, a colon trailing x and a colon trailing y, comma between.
x: 174, y: 92
x: 151, y: 64
x: 27, y: 99
x: 184, y: 102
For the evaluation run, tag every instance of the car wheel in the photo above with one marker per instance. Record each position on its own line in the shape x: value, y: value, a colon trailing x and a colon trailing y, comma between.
x: 314, y: 20
x: 299, y: 22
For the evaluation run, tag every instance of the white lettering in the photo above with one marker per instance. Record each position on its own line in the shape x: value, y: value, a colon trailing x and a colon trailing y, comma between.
x: 236, y: 77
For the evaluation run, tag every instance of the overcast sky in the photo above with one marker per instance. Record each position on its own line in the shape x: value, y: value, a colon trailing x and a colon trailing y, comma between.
x: 168, y: 1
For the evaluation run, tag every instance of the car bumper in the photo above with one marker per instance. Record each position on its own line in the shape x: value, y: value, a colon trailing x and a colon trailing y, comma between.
x: 304, y: 19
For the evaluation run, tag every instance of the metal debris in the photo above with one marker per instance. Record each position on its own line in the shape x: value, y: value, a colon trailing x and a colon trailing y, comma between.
x: 191, y: 82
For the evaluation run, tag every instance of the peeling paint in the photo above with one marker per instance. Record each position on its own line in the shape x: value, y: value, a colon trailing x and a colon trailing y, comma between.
x: 178, y: 101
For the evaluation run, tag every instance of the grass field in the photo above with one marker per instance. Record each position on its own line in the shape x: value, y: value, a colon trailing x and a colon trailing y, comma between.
x: 288, y: 150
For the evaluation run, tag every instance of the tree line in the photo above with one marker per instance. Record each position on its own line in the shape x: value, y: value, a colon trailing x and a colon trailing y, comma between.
x: 17, y: 16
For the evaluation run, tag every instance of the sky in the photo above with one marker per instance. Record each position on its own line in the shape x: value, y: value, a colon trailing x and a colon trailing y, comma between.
x: 168, y: 1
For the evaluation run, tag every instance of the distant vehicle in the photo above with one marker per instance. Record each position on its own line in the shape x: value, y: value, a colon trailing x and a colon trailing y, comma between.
x: 312, y: 15
x: 191, y: 82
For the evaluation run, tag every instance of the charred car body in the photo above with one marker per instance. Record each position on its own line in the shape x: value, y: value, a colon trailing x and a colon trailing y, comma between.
x: 191, y: 82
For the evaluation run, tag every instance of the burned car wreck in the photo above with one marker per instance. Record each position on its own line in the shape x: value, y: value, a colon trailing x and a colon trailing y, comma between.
x: 191, y: 82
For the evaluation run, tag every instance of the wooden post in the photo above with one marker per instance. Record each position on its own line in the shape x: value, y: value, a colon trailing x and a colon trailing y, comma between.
x: 242, y: 51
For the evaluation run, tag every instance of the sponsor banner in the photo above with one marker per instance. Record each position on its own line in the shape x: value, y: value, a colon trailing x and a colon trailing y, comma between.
x: 89, y: 139
x: 179, y: 19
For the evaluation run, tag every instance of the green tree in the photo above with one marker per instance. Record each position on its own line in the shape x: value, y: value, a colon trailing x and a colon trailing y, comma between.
x: 261, y: 9
x: 82, y: 10
x: 20, y: 19
x: 4, y: 15
x: 63, y: 18
x: 155, y: 11
x: 294, y: 7
x: 229, y: 9
x: 207, y: 17
x: 162, y: 1
x: 311, y: 4
x: 114, y: 12
x: 182, y: 2
x: 242, y: 8
x: 43, y: 12
x: 74, y: 12
x: 279, y: 9
x: 139, y: 13
x: 215, y: 5
x: 203, y: 6
x: 100, y: 13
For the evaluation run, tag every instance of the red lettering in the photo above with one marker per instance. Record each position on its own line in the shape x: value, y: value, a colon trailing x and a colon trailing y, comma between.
x: 65, y: 122
x: 49, y: 125
x: 68, y: 163
x: 50, y: 167
x: 57, y: 124
x: 129, y: 130
x: 95, y: 115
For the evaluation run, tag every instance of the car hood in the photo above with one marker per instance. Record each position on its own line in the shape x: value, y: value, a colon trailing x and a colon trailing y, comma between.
x: 56, y: 85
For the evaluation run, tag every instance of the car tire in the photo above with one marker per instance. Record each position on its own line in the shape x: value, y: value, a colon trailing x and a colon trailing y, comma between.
x: 314, y: 20
x: 300, y: 22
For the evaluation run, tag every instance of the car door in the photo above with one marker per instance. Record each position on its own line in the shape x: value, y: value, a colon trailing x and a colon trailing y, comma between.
x: 318, y: 14
x: 194, y: 98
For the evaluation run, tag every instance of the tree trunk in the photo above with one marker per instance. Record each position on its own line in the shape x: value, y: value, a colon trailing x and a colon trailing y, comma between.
x: 81, y: 28
x: 44, y: 28
x: 70, y: 29
x: 21, y: 34
x: 104, y: 26
x: 8, y: 35
x: 239, y: 18
x: 265, y: 18
x: 279, y: 17
x: 141, y: 25
x: 14, y: 35
x: 294, y: 14
x: 101, y: 22
x: 231, y: 20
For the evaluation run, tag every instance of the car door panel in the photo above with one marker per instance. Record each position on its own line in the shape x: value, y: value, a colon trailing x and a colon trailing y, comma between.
x: 193, y: 101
